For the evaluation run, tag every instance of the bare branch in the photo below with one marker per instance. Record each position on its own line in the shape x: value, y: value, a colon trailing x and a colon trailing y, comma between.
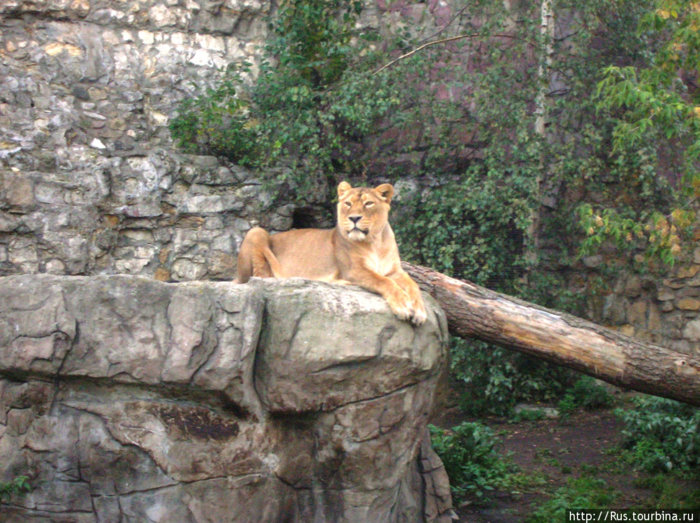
x: 438, y: 42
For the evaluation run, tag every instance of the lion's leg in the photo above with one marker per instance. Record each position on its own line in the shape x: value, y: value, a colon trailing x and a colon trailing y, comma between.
x: 255, y: 257
x: 397, y: 299
x: 411, y: 288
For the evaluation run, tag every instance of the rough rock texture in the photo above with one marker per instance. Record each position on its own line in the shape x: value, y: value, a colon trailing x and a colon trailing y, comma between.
x: 665, y: 311
x: 127, y: 399
x: 90, y: 182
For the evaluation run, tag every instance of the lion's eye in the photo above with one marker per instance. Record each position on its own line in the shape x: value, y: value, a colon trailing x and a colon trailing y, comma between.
x: 348, y: 204
x: 369, y: 204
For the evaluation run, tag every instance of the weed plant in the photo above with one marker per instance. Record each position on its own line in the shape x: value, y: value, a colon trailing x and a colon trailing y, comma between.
x: 579, y: 493
x: 586, y: 393
x: 662, y: 435
x: 17, y: 486
x: 469, y: 453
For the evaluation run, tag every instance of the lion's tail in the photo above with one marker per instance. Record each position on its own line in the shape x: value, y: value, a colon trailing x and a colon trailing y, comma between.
x: 255, y: 258
x: 273, y: 262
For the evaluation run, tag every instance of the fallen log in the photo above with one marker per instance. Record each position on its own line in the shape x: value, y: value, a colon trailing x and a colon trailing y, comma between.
x: 475, y: 312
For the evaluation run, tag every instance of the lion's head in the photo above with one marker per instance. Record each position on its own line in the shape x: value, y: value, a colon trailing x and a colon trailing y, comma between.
x: 363, y: 212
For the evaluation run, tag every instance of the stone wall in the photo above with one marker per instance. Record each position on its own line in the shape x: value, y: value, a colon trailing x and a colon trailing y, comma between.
x: 89, y: 180
x: 662, y: 310
x: 127, y: 399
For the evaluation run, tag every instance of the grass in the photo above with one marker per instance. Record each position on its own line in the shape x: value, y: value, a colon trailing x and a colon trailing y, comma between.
x: 584, y: 492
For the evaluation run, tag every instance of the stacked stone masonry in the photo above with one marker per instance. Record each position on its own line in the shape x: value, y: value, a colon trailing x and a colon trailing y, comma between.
x: 90, y: 182
x: 665, y: 311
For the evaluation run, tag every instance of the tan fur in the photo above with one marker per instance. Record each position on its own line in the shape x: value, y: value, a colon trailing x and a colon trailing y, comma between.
x: 361, y: 251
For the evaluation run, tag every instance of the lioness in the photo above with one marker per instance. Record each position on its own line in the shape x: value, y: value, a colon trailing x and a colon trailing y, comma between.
x: 360, y: 250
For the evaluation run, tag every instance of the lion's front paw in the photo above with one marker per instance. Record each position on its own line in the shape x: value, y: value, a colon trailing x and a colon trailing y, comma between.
x: 418, y: 313
x: 407, y: 307
x: 400, y: 305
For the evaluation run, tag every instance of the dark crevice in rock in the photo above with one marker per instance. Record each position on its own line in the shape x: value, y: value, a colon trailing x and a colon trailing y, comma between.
x: 375, y: 398
x: 59, y: 371
x: 162, y: 391
x: 259, y: 343
x: 385, y: 336
x: 345, y: 365
x: 294, y: 333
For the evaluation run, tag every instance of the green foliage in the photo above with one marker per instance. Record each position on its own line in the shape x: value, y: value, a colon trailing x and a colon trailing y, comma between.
x: 662, y: 434
x: 668, y: 490
x: 655, y: 97
x: 19, y: 485
x: 217, y: 121
x: 308, y: 109
x: 660, y: 236
x: 655, y: 115
x: 587, y: 394
x: 494, y: 380
x: 528, y: 415
x: 469, y: 454
x: 617, y: 189
x: 472, y: 228
x: 579, y: 493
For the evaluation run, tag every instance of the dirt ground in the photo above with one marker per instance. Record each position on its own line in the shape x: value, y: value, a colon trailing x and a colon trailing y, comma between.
x: 555, y: 451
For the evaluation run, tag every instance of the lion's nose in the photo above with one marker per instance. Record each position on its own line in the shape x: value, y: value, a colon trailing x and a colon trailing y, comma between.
x: 355, y: 219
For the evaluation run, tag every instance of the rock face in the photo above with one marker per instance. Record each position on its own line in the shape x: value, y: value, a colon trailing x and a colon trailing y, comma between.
x: 127, y: 399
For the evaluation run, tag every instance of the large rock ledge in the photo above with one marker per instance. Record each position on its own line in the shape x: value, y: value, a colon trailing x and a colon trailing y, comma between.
x: 127, y: 399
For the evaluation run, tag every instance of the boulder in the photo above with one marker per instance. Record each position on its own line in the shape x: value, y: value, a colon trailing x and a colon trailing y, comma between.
x: 128, y: 399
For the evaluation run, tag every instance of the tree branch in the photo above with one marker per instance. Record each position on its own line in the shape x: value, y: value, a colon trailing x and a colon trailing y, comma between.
x: 438, y: 42
x: 563, y: 339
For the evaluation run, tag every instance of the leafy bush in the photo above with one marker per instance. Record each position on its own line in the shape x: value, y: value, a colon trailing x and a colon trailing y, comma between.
x: 655, y: 101
x: 306, y: 107
x: 469, y: 454
x: 472, y: 228
x: 494, y: 380
x: 661, y: 434
x: 668, y: 493
x: 586, y: 394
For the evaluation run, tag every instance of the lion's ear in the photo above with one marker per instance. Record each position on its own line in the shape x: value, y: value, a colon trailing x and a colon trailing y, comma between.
x: 343, y: 187
x: 385, y: 192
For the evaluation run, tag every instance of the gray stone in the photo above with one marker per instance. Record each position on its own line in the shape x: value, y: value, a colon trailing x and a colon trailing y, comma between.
x: 138, y: 400
x: 614, y: 310
x: 665, y: 294
x: 593, y: 261
x: 547, y: 412
x: 203, y: 204
x: 16, y: 191
x: 633, y: 286
x: 692, y: 330
x: 637, y: 313
x: 186, y: 269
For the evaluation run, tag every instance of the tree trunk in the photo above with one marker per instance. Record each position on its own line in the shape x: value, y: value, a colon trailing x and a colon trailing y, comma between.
x: 532, y: 238
x: 476, y: 312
